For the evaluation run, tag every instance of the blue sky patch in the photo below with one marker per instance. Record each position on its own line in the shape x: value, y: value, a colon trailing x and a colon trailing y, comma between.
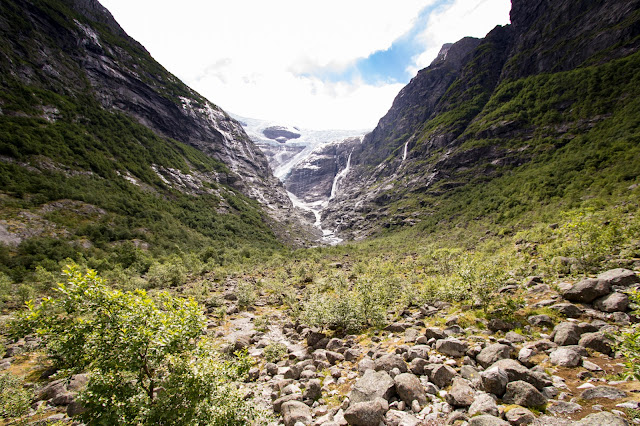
x: 386, y: 66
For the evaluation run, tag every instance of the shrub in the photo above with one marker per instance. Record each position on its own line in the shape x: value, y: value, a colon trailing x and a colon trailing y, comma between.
x: 274, y: 352
x: 246, y: 294
x: 145, y: 367
x: 15, y: 400
x: 630, y: 344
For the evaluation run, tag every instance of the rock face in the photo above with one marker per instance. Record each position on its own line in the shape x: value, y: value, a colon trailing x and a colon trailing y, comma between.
x: 419, y: 152
x: 318, y: 176
x: 280, y: 134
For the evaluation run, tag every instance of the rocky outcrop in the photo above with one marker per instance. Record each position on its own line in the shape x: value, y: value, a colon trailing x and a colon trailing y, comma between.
x: 317, y: 177
x: 280, y: 134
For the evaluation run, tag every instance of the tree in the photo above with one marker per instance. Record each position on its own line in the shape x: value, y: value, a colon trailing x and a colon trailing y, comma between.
x: 146, y: 362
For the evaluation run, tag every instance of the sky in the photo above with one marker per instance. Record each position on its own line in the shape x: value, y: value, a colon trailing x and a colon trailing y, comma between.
x: 330, y: 64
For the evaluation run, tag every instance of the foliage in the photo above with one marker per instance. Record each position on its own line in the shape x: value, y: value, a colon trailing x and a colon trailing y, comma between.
x: 15, y: 399
x: 145, y: 367
x: 275, y: 351
x: 630, y: 344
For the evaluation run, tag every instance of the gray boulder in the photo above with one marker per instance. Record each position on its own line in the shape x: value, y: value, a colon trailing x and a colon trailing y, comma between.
x: 524, y: 394
x: 369, y: 413
x: 516, y: 371
x: 484, y: 404
x: 614, y: 302
x: 389, y: 362
x: 494, y: 380
x: 440, y: 374
x: 452, y: 347
x: 435, y: 333
x: 565, y: 357
x: 603, y: 418
x: 487, y: 420
x: 418, y: 351
x: 493, y: 353
x: 313, y: 390
x: 461, y: 394
x: 586, y: 291
x: 409, y: 388
x: 620, y: 277
x: 295, y: 411
x: 596, y: 341
x: 519, y: 416
x: 372, y: 385
x: 566, y: 333
x: 540, y: 320
x: 563, y: 407
x: 400, y: 418
x: 607, y: 392
x: 569, y: 310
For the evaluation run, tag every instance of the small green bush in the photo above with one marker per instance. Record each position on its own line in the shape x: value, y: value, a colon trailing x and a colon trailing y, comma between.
x: 274, y: 352
x: 630, y: 343
x: 15, y: 400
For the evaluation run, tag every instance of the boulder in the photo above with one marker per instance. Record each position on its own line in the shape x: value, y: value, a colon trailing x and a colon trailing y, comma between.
x: 566, y: 333
x: 519, y: 416
x: 278, y: 403
x: 313, y: 390
x: 587, y: 290
x: 516, y: 371
x: 603, y: 418
x: 369, y: 413
x: 372, y: 385
x: 418, y: 351
x: 484, y: 404
x: 620, y: 277
x: 409, y: 388
x: 524, y: 394
x: 540, y: 321
x: 565, y: 357
x: 334, y: 357
x: 613, y: 302
x: 607, y: 392
x: 487, y: 420
x: 563, y: 407
x: 389, y: 362
x: 295, y: 411
x: 400, y: 418
x: 440, y: 374
x: 417, y: 366
x: 494, y: 380
x: 569, y: 310
x: 596, y: 341
x: 452, y: 347
x: 496, y: 324
x: 460, y: 394
x: 434, y: 333
x: 493, y: 353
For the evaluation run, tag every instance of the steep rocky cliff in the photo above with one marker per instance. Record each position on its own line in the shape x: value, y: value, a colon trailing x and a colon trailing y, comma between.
x: 561, y: 74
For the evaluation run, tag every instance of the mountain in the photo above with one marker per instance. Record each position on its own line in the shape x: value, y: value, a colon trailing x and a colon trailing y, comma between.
x: 541, y: 112
x: 101, y: 146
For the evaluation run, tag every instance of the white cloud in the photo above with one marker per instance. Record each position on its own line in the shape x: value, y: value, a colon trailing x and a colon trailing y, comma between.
x: 474, y: 18
x: 254, y: 57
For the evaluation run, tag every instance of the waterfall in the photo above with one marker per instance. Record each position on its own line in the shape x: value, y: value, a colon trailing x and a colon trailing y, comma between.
x: 404, y: 154
x: 340, y: 176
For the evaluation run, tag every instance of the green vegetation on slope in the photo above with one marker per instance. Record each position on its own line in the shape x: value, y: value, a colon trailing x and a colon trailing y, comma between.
x: 90, y: 155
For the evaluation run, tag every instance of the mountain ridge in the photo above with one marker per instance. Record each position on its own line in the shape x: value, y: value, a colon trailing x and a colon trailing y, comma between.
x: 446, y: 129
